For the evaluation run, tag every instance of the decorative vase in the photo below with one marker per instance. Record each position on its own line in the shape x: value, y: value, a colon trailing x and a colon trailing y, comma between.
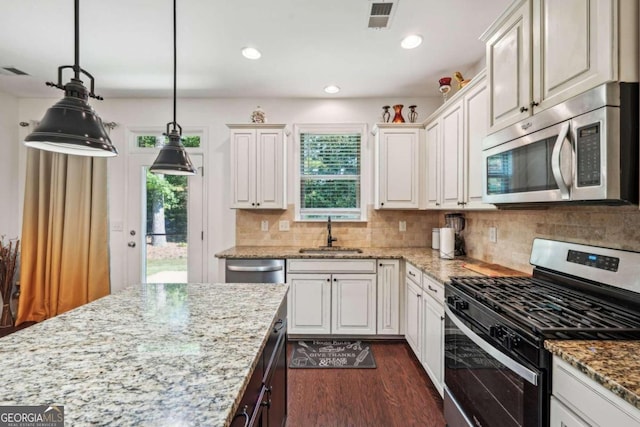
x: 445, y: 86
x: 398, y: 116
x: 386, y: 115
x: 413, y: 114
x: 258, y: 116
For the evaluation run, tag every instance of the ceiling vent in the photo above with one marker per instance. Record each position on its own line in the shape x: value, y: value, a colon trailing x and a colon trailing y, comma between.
x: 381, y: 14
x: 12, y: 71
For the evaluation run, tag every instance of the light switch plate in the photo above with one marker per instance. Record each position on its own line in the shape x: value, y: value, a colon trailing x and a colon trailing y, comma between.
x: 284, y: 225
x: 264, y: 225
x: 402, y: 226
x: 493, y: 234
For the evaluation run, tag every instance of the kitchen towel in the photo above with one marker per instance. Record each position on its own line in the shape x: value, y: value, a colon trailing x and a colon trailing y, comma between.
x: 447, y: 243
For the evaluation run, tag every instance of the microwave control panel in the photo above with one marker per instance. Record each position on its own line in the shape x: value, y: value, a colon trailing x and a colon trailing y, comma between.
x: 588, y: 155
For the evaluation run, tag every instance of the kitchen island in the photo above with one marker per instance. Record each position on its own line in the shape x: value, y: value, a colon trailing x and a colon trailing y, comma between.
x: 154, y: 354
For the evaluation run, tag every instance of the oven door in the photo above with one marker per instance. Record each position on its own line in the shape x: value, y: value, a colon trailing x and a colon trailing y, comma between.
x: 533, y: 168
x: 484, y: 387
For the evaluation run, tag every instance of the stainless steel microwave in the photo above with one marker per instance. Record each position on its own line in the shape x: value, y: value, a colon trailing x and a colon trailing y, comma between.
x: 584, y: 150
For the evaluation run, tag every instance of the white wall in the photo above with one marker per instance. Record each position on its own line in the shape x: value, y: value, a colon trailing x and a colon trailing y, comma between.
x: 10, y: 198
x: 211, y: 115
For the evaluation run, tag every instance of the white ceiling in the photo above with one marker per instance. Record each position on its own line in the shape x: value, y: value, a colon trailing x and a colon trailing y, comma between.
x: 305, y: 44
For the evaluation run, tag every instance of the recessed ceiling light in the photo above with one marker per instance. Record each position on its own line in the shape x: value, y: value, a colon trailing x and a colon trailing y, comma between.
x: 411, y: 42
x: 251, y: 53
x: 332, y: 89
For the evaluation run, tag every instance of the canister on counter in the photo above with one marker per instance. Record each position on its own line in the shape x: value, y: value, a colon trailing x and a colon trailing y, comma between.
x: 435, y: 238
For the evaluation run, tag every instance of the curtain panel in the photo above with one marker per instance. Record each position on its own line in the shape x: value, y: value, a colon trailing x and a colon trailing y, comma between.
x: 65, y: 247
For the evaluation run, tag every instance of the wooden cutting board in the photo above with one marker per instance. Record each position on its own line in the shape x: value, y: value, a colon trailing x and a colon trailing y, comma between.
x: 493, y: 270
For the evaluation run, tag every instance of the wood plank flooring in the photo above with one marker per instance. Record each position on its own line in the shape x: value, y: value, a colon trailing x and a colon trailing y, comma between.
x: 397, y: 393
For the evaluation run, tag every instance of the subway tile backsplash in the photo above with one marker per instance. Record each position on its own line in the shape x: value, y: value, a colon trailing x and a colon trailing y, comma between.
x: 610, y: 226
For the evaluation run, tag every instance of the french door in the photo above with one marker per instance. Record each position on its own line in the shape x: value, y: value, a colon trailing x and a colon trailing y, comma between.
x: 165, y: 232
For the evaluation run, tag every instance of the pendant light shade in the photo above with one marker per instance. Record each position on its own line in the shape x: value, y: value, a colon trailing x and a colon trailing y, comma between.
x: 72, y: 126
x: 173, y: 158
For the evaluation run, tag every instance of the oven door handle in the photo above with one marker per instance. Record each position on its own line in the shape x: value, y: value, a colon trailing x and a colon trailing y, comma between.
x: 556, y: 167
x: 519, y: 369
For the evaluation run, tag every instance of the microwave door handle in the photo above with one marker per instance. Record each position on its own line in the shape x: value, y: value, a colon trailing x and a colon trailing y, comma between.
x: 555, y: 161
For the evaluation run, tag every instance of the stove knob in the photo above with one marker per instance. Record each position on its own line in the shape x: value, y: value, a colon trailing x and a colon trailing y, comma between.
x: 461, y: 305
x: 510, y: 341
x: 494, y: 331
x: 451, y: 300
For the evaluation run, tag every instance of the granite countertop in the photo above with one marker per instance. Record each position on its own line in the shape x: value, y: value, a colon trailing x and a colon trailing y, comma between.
x: 426, y: 259
x: 614, y: 364
x: 150, y: 355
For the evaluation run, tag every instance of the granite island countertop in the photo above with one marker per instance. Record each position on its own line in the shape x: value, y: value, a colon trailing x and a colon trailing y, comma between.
x: 150, y: 355
x: 614, y: 364
x: 426, y: 259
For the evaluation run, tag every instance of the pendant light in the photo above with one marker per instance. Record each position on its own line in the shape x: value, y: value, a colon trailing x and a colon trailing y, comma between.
x: 72, y: 126
x: 173, y: 158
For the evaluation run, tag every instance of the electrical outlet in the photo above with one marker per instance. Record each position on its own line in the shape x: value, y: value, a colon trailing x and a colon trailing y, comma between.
x: 493, y: 234
x: 264, y: 225
x: 284, y: 225
x: 402, y: 226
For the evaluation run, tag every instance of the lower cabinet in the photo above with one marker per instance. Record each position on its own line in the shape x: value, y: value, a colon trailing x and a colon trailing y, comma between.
x: 264, y: 403
x: 389, y: 297
x: 433, y: 341
x: 413, y: 310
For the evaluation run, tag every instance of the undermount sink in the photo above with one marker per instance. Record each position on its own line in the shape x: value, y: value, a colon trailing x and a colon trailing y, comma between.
x: 323, y: 250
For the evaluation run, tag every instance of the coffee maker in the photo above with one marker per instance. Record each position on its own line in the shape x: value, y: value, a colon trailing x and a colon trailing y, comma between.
x: 457, y: 222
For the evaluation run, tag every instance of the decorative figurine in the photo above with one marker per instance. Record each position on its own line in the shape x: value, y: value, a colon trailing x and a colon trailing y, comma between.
x: 386, y: 115
x: 461, y: 81
x: 413, y: 114
x: 445, y: 86
x: 258, y: 116
x: 398, y: 116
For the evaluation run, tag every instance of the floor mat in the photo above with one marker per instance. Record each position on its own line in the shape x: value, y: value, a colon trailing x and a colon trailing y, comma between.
x: 332, y: 354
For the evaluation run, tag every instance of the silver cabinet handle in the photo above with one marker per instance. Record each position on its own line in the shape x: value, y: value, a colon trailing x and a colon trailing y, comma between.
x: 555, y: 161
x: 256, y: 268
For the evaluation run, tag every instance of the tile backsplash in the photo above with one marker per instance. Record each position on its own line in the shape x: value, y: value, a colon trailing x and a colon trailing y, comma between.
x: 610, y: 226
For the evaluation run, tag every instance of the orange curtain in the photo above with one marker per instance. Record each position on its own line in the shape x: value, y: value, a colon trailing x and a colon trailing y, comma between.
x: 65, y: 247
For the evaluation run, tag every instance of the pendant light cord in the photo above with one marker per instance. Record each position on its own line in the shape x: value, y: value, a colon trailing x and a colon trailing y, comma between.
x: 76, y: 65
x: 174, y: 64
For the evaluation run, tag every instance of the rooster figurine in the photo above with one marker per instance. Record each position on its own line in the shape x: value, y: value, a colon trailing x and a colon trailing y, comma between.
x: 461, y: 81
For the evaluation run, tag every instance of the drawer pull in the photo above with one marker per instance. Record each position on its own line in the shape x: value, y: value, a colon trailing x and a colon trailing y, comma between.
x: 243, y: 414
x: 411, y: 274
x: 432, y: 289
x: 279, y: 325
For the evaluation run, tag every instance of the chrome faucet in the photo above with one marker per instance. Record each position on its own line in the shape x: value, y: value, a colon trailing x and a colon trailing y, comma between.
x: 330, y: 239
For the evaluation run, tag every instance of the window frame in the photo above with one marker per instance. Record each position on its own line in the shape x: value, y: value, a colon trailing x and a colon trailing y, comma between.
x: 135, y: 132
x: 330, y: 128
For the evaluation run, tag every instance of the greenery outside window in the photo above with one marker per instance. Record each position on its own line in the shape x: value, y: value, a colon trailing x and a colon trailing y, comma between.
x: 329, y: 172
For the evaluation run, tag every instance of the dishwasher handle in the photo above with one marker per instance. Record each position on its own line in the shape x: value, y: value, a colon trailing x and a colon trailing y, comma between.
x: 255, y: 268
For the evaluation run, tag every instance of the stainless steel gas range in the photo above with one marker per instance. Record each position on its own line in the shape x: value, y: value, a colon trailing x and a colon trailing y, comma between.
x: 497, y: 372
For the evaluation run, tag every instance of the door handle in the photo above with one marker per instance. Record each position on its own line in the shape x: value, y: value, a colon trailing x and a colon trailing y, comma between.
x: 555, y: 161
x: 254, y: 269
x: 131, y: 244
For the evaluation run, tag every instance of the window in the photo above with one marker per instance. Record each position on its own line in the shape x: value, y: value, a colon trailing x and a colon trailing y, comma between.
x: 150, y: 141
x: 329, y: 172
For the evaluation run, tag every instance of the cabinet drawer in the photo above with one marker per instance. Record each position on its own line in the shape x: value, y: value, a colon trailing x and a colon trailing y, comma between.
x: 433, y: 288
x: 414, y: 273
x: 561, y: 416
x: 596, y: 405
x: 331, y: 265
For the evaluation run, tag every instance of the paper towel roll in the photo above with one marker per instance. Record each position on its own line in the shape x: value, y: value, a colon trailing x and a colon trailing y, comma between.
x: 447, y: 243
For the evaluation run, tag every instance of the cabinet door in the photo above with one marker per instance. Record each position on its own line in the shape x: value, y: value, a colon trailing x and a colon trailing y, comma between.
x: 309, y: 309
x: 561, y: 416
x: 243, y: 168
x: 270, y: 183
x: 574, y: 48
x: 433, y: 165
x: 509, y: 69
x: 398, y: 153
x: 353, y: 304
x: 452, y: 144
x: 413, y: 309
x: 388, y: 297
x: 476, y: 121
x: 277, y: 389
x: 433, y: 341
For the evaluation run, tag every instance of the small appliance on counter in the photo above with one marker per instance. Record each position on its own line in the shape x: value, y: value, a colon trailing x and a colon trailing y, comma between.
x: 457, y: 222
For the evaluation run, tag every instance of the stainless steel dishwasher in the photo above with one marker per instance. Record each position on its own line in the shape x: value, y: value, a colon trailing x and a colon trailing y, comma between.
x: 254, y: 271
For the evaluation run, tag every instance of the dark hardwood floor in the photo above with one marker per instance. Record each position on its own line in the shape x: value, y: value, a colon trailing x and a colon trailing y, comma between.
x: 397, y: 393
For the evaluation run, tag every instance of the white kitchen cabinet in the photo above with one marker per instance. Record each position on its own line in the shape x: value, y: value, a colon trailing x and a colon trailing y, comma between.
x: 433, y: 331
x: 454, y: 136
x: 353, y: 304
x: 258, y: 166
x: 542, y: 52
x: 329, y: 296
x: 413, y: 311
x: 397, y: 166
x: 388, y: 297
x: 578, y: 401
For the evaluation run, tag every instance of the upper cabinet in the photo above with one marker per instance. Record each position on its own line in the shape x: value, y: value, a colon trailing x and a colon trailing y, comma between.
x: 397, y: 165
x: 454, y: 136
x: 258, y: 166
x: 543, y: 52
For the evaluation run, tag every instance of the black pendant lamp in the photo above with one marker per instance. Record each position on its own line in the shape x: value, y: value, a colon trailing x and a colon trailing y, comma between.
x: 72, y: 126
x: 173, y: 158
